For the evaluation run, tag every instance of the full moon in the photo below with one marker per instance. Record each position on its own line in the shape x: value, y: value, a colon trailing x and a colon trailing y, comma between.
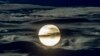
x: 49, y: 35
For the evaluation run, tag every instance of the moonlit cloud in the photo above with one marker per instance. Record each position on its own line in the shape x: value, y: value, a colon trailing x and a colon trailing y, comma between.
x: 77, y: 36
x: 14, y: 38
x: 69, y: 11
x: 20, y: 6
x: 81, y: 42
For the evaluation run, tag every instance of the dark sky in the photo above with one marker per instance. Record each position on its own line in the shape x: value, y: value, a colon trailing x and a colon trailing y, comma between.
x: 62, y: 3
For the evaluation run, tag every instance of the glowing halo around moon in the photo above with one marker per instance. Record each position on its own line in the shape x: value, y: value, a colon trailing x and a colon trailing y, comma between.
x: 49, y: 35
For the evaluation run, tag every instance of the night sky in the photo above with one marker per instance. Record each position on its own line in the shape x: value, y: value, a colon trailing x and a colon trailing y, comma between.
x: 58, y: 3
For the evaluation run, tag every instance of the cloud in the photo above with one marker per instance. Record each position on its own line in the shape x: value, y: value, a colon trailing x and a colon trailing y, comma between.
x: 20, y: 6
x: 14, y: 38
x: 13, y: 54
x: 69, y: 11
x: 80, y: 43
x: 88, y: 36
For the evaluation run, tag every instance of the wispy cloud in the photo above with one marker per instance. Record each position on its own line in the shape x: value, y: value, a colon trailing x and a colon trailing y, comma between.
x: 80, y: 43
x: 69, y: 11
x: 20, y: 6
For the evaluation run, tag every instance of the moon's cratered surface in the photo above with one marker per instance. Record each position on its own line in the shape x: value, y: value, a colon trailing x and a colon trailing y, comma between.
x: 49, y: 35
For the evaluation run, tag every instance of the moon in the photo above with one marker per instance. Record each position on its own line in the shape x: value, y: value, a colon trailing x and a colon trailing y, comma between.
x: 49, y: 35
